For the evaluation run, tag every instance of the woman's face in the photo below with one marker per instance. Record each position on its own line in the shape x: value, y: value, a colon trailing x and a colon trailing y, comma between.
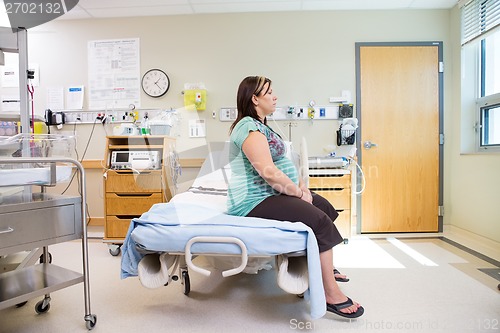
x: 265, y: 102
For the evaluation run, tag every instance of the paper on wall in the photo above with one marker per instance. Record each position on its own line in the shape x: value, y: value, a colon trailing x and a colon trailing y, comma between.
x: 10, y: 75
x: 74, y: 97
x: 55, y: 98
x: 114, y: 73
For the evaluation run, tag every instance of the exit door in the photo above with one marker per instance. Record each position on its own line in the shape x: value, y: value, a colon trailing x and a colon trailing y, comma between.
x: 399, y: 109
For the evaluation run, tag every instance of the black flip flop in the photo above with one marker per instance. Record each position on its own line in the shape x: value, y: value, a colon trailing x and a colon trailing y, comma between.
x: 336, y: 271
x: 335, y: 308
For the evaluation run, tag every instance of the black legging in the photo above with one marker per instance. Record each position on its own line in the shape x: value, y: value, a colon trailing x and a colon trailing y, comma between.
x: 319, y: 216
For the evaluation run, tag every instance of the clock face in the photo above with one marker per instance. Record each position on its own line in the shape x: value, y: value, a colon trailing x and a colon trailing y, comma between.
x: 155, y: 83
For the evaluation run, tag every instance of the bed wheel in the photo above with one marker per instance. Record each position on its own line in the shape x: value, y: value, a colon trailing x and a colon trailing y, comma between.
x: 346, y: 241
x: 42, y: 306
x: 186, y: 282
x: 114, y: 250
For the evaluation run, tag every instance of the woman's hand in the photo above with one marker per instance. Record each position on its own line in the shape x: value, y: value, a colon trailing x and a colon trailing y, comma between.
x: 306, y: 194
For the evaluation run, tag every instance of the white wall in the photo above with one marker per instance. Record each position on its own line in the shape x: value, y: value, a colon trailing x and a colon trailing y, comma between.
x: 308, y: 55
x: 472, y: 182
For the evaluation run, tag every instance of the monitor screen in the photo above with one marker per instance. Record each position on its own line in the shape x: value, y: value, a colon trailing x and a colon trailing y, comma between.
x: 122, y: 156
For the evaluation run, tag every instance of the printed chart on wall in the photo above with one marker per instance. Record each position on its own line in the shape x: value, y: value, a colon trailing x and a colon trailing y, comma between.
x: 114, y: 73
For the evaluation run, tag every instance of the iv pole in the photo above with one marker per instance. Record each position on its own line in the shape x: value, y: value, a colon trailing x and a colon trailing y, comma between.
x: 15, y: 40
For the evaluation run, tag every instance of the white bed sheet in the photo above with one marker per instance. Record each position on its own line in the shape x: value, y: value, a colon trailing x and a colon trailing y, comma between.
x: 208, y: 190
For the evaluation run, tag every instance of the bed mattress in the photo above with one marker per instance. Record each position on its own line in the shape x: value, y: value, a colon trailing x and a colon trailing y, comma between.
x: 179, y: 222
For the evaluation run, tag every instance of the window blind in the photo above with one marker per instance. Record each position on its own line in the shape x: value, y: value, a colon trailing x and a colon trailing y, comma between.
x: 479, y: 17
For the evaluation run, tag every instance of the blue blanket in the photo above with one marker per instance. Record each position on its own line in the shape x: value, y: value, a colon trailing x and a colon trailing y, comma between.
x: 166, y: 227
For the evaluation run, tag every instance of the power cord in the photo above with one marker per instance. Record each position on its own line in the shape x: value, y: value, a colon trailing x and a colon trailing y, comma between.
x: 83, y: 156
x: 362, y: 176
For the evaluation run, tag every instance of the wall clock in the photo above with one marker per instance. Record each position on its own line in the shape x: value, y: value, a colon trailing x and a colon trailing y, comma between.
x: 155, y: 82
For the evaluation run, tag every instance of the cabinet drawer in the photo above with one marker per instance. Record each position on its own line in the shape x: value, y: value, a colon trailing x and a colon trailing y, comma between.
x: 117, y: 227
x: 124, y: 204
x: 340, y: 199
x: 24, y: 229
x: 133, y: 183
x: 343, y: 181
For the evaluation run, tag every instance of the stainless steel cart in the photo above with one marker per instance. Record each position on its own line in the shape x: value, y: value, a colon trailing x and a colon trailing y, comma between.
x: 32, y: 221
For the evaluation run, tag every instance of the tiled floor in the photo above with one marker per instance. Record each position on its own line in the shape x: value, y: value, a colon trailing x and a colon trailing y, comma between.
x: 405, y: 285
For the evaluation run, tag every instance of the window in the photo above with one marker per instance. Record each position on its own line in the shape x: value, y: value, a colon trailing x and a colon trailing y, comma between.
x: 489, y: 124
x: 490, y: 69
x: 481, y: 61
x: 489, y: 103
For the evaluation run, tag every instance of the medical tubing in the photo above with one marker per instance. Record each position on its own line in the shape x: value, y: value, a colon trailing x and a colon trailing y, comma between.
x: 362, y: 177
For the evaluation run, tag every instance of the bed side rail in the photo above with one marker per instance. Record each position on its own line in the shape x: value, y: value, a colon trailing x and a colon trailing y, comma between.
x: 216, y: 239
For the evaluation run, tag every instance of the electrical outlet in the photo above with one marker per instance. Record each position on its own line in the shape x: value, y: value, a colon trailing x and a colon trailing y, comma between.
x: 228, y: 114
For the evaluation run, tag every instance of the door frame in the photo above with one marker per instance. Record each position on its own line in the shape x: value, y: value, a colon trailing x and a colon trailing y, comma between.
x: 359, y: 112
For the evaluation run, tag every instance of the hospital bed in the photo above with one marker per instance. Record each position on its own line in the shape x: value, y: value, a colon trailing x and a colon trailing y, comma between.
x: 31, y: 219
x: 194, y: 223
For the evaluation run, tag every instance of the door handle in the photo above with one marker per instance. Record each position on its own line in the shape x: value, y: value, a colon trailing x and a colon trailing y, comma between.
x: 369, y: 144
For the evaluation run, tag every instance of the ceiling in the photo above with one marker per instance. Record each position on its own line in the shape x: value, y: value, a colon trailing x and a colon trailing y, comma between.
x: 128, y: 8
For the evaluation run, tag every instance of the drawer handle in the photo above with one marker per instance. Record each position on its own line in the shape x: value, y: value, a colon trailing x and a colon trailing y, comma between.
x: 326, y: 176
x: 124, y: 172
x: 134, y: 194
x: 131, y: 172
x: 6, y: 231
x: 127, y: 217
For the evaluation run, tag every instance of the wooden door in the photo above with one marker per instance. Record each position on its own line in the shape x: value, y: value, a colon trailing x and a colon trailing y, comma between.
x: 398, y: 100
